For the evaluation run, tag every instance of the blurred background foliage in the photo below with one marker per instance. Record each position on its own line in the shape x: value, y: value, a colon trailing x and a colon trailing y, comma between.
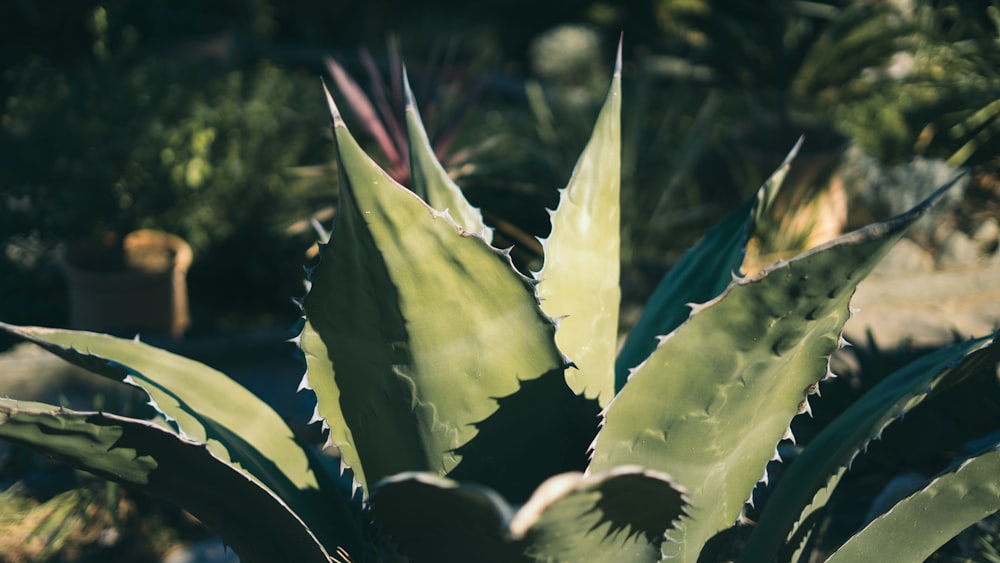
x: 207, y: 120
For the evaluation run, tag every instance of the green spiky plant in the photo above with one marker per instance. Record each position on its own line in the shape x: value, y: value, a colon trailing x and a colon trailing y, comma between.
x: 477, y: 428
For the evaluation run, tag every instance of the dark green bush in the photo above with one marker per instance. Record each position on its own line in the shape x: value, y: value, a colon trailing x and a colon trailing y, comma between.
x: 141, y: 140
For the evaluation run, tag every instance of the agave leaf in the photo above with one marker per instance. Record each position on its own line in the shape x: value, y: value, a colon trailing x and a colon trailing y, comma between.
x: 415, y: 328
x: 620, y: 515
x: 436, y: 519
x: 957, y: 498
x: 743, y: 360
x: 701, y: 274
x: 579, y: 279
x: 430, y: 180
x: 819, y: 466
x: 206, y: 406
x: 254, y: 521
x: 366, y: 112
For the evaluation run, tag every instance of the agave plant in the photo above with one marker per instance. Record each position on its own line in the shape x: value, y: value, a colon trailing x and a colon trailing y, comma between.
x: 484, y: 416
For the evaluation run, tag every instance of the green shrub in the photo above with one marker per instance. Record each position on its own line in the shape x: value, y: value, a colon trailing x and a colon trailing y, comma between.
x: 196, y: 150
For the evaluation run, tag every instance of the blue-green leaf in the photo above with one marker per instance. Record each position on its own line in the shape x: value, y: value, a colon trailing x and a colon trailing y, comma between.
x: 701, y: 274
x: 921, y: 523
x: 805, y: 485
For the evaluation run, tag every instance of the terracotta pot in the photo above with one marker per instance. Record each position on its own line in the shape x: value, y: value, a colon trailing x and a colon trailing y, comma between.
x: 138, y: 283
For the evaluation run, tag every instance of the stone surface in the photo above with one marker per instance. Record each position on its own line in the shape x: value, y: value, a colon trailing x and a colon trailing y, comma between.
x: 907, y: 258
x: 987, y: 235
x: 926, y: 310
x: 958, y: 249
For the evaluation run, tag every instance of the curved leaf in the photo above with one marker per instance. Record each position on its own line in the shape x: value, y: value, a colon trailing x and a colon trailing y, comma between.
x: 819, y: 466
x: 257, y: 524
x: 579, y: 278
x: 920, y: 524
x: 704, y: 272
x: 415, y: 328
x: 435, y: 519
x: 206, y: 406
x: 620, y: 515
x: 746, y: 359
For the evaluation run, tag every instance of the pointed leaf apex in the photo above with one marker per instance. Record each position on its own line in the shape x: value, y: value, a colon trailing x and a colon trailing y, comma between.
x: 338, y: 121
x: 794, y: 152
x: 618, y: 57
x: 322, y: 234
x: 411, y: 100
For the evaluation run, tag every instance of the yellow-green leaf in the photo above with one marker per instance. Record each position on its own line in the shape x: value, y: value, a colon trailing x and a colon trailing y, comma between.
x: 578, y: 283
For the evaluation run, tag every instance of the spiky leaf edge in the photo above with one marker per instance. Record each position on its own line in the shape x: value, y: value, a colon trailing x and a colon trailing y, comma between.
x: 704, y: 272
x: 206, y: 406
x: 638, y: 432
x: 446, y: 247
x: 578, y: 282
x: 923, y: 522
x: 807, y: 483
x: 569, y: 517
x: 249, y: 517
x: 430, y: 180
